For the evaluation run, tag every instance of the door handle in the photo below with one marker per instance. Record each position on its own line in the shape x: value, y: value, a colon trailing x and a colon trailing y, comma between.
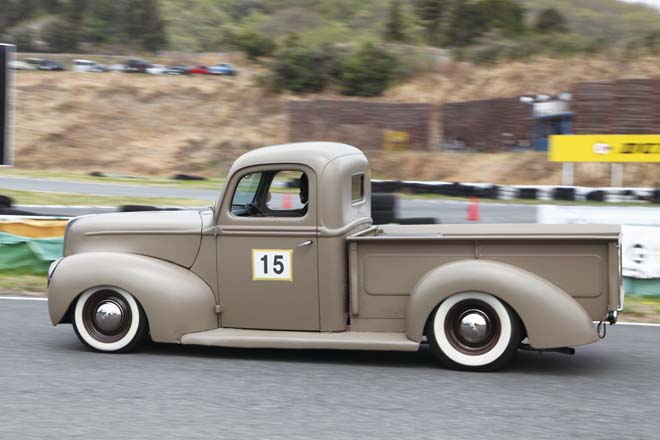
x: 305, y: 243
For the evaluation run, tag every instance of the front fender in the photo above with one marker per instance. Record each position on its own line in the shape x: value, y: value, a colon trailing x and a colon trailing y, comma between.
x: 551, y: 316
x: 175, y: 300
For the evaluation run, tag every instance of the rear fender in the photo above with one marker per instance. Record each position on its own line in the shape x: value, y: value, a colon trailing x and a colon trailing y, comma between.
x: 175, y: 300
x: 551, y: 316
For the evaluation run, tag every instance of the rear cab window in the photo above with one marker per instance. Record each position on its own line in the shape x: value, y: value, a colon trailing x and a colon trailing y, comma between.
x: 357, y: 188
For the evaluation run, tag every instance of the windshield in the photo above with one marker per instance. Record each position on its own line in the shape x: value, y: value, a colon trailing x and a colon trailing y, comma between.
x: 245, y: 191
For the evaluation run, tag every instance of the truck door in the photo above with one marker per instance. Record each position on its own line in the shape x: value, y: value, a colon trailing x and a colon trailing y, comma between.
x: 267, y: 250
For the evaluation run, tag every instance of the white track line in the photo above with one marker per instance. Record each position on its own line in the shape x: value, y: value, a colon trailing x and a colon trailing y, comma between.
x: 640, y: 324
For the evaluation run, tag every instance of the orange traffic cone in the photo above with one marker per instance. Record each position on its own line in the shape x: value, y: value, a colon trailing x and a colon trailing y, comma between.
x: 473, y: 209
x: 287, y: 203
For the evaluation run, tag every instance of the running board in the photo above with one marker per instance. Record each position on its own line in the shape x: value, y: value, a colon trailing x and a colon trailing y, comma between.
x: 230, y: 337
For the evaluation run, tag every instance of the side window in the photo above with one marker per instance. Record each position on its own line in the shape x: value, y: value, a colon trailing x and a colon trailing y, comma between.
x: 243, y: 202
x: 357, y: 188
x: 288, y: 194
x: 281, y: 193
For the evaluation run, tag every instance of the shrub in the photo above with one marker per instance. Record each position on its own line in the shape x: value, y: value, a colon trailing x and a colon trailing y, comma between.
x: 60, y: 35
x: 254, y: 45
x: 550, y: 20
x: 367, y: 72
x: 302, y: 69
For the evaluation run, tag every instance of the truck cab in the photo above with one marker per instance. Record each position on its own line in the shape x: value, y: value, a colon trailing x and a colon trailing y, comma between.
x: 288, y: 257
x: 283, y: 265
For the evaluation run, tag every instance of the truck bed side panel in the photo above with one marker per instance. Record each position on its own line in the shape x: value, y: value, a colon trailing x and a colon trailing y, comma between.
x: 388, y: 271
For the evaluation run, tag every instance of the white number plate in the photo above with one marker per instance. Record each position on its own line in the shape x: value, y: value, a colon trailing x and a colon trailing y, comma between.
x: 272, y: 264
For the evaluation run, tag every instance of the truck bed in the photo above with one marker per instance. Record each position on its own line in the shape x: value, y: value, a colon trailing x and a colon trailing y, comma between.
x: 386, y: 262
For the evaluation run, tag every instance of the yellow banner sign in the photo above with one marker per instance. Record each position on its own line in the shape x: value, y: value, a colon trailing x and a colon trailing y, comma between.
x: 605, y: 148
x: 396, y: 140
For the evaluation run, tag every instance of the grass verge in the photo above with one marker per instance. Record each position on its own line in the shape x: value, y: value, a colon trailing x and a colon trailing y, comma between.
x: 641, y: 309
x: 52, y: 198
x: 210, y: 183
x: 16, y: 283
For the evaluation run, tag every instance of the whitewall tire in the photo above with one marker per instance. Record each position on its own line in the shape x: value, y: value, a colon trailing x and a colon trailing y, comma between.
x: 473, y: 331
x: 109, y: 319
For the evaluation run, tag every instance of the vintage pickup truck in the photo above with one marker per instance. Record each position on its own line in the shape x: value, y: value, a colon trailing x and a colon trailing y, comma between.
x: 265, y: 269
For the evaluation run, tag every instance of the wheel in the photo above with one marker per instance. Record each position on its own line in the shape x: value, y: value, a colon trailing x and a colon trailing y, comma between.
x: 109, y: 319
x: 473, y: 331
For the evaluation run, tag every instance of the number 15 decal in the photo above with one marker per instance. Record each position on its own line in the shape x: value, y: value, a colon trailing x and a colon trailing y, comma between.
x: 272, y: 265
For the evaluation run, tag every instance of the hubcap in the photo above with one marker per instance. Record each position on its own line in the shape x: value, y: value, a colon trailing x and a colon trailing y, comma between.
x: 473, y: 327
x: 108, y: 316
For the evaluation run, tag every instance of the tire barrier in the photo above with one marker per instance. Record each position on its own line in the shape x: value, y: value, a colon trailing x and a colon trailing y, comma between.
x: 383, y: 202
x: 5, y: 202
x: 6, y: 208
x: 596, y: 196
x: 383, y: 208
x: 143, y: 208
x: 512, y: 192
x: 187, y: 177
x: 527, y: 193
x: 417, y: 221
x: 563, y: 193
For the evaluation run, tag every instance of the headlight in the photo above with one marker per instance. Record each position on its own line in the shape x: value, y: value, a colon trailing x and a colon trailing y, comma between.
x: 52, y: 267
x: 66, y: 232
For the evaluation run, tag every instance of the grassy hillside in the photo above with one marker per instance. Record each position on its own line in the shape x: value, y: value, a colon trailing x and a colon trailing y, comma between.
x: 145, y: 124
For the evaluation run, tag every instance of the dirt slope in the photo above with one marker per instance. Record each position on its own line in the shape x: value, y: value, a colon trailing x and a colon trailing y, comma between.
x: 146, y: 124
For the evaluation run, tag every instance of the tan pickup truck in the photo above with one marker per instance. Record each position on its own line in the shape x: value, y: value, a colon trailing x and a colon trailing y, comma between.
x: 268, y: 268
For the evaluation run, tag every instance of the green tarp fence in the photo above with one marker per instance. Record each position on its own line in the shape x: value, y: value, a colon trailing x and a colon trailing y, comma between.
x: 29, y: 255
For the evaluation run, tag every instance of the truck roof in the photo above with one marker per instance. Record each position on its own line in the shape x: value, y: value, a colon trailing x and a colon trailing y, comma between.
x: 313, y: 154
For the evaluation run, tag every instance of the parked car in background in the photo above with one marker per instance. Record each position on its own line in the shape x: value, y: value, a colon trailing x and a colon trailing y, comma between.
x: 20, y: 65
x: 178, y: 69
x: 223, y: 69
x: 88, y: 66
x: 156, y: 69
x: 199, y: 70
x: 36, y: 62
x: 116, y: 67
x: 136, y: 66
x: 52, y: 66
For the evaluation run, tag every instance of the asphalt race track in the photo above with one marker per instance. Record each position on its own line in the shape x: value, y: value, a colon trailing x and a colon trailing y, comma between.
x: 51, y: 387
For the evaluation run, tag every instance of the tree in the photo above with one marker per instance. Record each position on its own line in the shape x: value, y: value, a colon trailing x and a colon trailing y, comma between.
x: 466, y: 22
x: 143, y: 24
x: 550, y: 20
x: 394, y: 28
x: 431, y: 14
x: 506, y: 15
x: 100, y: 22
x: 3, y: 16
x: 153, y: 37
x: 61, y: 35
x: 367, y: 72
x: 254, y: 45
